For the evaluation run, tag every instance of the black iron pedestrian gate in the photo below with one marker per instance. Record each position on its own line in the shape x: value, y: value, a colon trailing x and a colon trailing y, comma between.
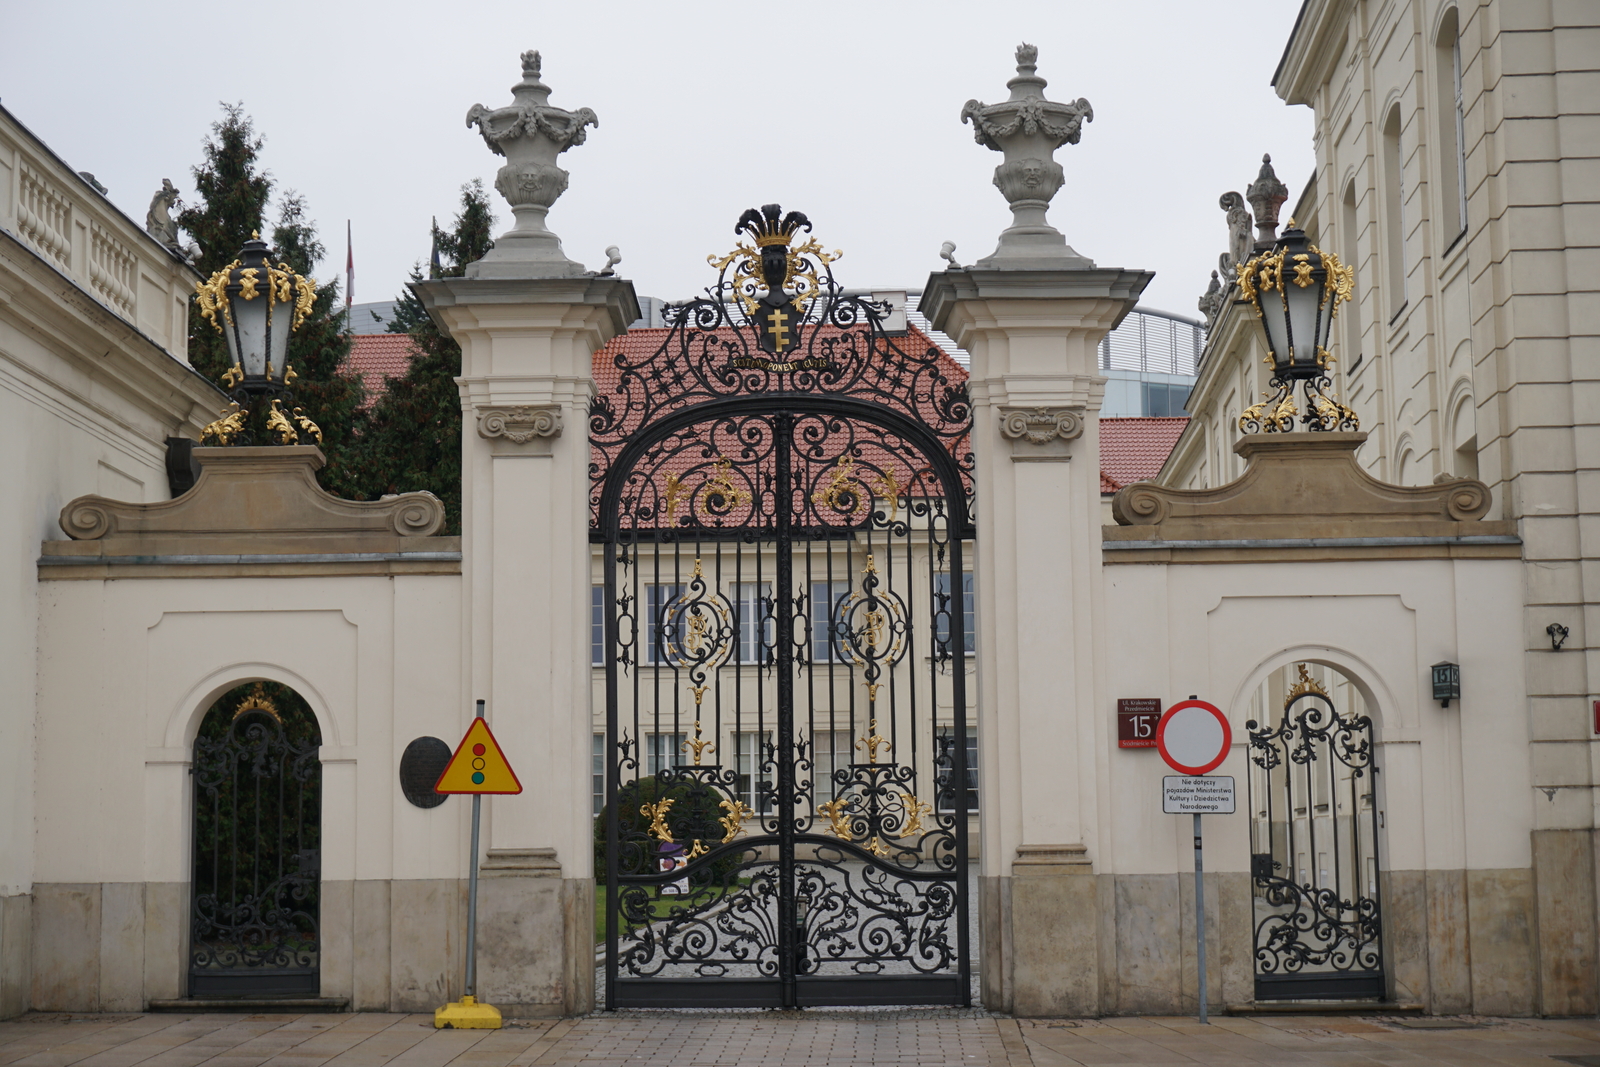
x: 257, y: 833
x: 1314, y: 851
x: 782, y: 490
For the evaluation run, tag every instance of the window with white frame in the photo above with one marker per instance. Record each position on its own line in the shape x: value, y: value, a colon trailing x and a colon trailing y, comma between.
x: 754, y: 779
x: 752, y: 608
x: 944, y: 607
x: 663, y: 751
x: 826, y: 600
x: 663, y: 636
x: 831, y: 751
x: 597, y: 773
x: 597, y: 625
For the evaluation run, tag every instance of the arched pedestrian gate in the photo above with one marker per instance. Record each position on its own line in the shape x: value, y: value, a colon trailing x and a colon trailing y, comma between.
x: 783, y: 496
x: 1314, y: 849
x: 257, y: 847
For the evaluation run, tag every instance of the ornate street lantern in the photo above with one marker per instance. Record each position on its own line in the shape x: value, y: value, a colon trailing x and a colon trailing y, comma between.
x: 1296, y: 289
x: 256, y: 306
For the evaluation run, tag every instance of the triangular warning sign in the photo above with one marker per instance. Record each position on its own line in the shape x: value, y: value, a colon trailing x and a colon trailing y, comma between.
x: 478, y: 765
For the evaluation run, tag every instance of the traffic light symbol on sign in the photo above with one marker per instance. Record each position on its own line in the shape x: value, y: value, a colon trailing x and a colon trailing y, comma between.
x: 478, y: 765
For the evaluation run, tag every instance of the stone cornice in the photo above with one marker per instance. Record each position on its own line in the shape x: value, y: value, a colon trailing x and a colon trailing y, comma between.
x: 1002, y: 287
x: 476, y: 303
x: 77, y: 328
x: 1311, y: 50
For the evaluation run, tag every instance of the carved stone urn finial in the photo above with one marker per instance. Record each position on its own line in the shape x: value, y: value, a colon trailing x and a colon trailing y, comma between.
x: 1028, y: 129
x: 530, y: 134
x: 1266, y: 195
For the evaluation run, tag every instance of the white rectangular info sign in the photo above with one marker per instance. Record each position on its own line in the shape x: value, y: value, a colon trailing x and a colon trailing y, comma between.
x: 1204, y: 795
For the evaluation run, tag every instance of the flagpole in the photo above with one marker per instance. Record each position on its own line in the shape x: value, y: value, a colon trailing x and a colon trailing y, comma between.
x: 349, y: 278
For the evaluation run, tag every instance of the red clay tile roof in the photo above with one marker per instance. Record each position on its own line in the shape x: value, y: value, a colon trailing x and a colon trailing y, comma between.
x: 1133, y: 450
x: 377, y: 357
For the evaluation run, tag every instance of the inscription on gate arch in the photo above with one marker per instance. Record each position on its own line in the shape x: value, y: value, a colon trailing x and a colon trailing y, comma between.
x: 783, y: 494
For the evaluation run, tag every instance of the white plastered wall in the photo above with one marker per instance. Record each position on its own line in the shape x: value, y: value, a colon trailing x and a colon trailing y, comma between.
x: 126, y: 673
x: 1455, y: 781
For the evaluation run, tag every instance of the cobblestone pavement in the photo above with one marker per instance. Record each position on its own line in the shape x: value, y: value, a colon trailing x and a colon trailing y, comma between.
x: 824, y: 1039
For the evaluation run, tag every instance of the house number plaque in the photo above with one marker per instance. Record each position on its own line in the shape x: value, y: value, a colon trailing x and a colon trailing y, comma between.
x: 1136, y: 721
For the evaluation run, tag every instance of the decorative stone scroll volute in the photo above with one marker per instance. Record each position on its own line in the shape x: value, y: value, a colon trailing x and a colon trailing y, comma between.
x: 530, y: 134
x: 1028, y: 129
x: 249, y: 501
x: 1303, y: 487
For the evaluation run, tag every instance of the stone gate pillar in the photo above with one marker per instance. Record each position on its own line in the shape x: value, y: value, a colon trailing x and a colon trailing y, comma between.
x: 1032, y: 316
x: 529, y: 321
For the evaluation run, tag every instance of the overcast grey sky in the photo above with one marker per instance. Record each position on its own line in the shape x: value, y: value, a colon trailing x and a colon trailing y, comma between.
x: 847, y: 111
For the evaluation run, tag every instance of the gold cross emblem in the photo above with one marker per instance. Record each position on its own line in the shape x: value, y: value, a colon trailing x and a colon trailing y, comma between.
x: 779, y: 330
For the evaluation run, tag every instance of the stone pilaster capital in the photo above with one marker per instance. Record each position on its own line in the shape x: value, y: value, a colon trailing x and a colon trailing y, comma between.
x: 1041, y: 425
x: 519, y: 423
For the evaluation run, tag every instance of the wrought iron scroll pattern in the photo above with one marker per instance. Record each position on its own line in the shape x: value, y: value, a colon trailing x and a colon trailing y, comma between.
x: 1305, y: 929
x: 712, y: 353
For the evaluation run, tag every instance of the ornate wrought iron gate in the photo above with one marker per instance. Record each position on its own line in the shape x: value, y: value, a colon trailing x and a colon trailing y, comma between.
x: 783, y: 496
x: 1314, y: 851
x: 257, y: 829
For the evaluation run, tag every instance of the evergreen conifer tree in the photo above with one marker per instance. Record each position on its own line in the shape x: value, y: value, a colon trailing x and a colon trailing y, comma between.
x: 412, y: 439
x: 233, y: 194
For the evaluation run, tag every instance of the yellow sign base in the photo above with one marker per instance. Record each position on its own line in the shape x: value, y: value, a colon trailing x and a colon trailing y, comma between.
x: 467, y: 1014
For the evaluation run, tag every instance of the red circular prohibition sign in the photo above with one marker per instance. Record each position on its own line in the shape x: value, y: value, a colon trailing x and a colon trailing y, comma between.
x: 1200, y: 737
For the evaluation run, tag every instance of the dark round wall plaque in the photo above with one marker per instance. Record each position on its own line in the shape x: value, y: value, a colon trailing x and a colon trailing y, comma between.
x: 420, y: 767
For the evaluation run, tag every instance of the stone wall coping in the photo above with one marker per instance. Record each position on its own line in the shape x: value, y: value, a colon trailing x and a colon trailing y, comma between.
x: 1304, y: 489
x: 250, y: 501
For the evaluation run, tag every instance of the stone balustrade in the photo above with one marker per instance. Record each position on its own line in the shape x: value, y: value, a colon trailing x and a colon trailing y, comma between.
x: 57, y: 214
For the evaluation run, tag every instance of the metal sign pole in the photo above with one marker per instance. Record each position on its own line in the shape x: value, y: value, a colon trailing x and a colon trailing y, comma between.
x: 1199, y: 913
x: 478, y: 767
x: 472, y: 892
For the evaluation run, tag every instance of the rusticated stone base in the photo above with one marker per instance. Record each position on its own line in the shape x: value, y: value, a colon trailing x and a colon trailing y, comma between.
x: 16, y: 940
x: 1501, y: 942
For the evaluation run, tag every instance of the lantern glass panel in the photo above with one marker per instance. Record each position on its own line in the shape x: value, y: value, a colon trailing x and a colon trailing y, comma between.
x: 1302, y: 319
x: 282, y: 316
x: 1273, y: 318
x: 251, y: 319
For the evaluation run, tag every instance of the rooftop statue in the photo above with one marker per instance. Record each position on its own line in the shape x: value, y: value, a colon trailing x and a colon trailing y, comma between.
x: 530, y: 134
x: 1238, y: 235
x: 1028, y: 129
x: 158, y: 221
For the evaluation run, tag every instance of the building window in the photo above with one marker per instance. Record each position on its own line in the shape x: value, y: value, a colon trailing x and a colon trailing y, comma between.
x: 1451, y: 123
x: 663, y: 751
x: 944, y: 609
x: 597, y: 773
x: 831, y: 751
x: 752, y: 770
x: 597, y: 625
x: 1161, y: 400
x: 752, y: 606
x: 1351, y: 312
x: 1394, y: 222
x: 942, y: 779
x: 663, y: 637
x: 826, y: 599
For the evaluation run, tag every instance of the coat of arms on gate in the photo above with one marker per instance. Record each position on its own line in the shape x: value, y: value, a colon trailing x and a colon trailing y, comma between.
x: 776, y: 284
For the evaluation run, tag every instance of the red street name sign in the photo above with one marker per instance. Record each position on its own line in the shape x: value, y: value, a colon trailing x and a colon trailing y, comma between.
x: 1136, y: 721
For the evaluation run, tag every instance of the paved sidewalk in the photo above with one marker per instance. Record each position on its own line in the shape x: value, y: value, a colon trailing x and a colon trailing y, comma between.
x: 823, y: 1039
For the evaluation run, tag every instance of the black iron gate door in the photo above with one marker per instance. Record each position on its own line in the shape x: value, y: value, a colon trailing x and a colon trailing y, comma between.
x: 257, y: 834
x: 1314, y: 850
x: 787, y: 617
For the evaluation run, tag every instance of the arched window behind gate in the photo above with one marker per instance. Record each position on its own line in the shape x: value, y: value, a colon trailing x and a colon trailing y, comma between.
x: 1314, y: 822
x: 257, y: 841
